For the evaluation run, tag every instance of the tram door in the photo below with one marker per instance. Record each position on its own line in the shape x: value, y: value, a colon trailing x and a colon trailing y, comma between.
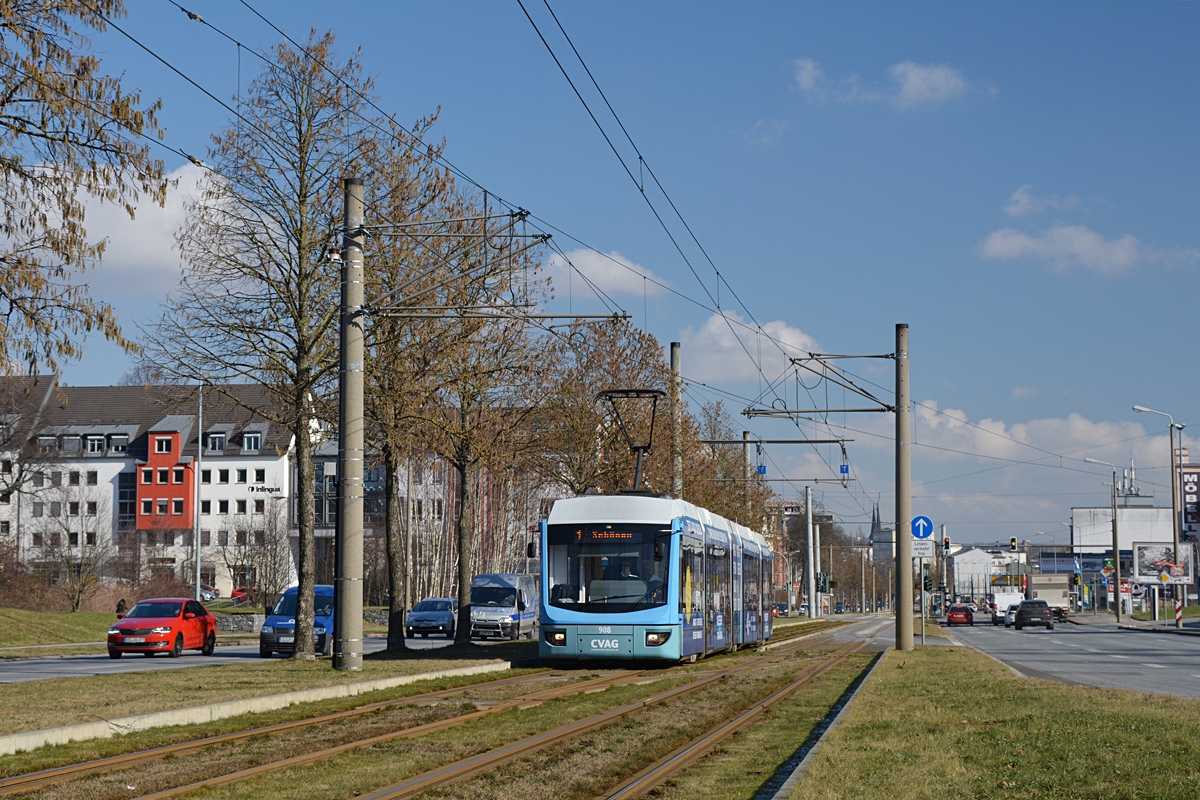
x: 717, y: 588
x: 735, y: 562
x: 767, y: 592
x: 691, y: 592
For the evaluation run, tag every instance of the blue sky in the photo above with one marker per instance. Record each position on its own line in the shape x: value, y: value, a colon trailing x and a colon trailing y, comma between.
x: 1017, y: 181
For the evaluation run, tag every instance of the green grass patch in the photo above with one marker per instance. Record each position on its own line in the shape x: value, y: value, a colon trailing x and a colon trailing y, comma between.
x: 1167, y: 613
x: 950, y: 722
x: 62, y: 701
x: 20, y: 628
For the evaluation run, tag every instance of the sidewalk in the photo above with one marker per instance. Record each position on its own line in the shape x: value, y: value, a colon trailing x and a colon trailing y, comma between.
x: 1191, y: 625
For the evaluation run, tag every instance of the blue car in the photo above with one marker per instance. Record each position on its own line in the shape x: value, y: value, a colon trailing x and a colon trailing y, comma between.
x: 278, y: 633
x: 433, y: 615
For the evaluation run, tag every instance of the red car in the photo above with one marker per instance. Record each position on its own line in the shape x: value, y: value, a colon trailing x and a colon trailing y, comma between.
x: 960, y: 615
x: 163, y: 625
x: 244, y: 594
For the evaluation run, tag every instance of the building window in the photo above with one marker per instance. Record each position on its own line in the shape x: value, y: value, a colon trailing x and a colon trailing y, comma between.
x: 420, y: 510
x: 177, y: 476
x: 206, y: 476
x: 223, y: 538
x: 71, y: 444
x: 37, y: 539
x: 206, y: 506
x: 241, y: 506
x: 168, y: 538
x: 260, y: 476
x: 4, y: 528
x: 92, y: 478
x: 38, y: 480
x: 260, y: 506
x: 126, y: 500
x: 6, y: 466
x: 5, y: 498
x: 222, y: 476
x: 73, y: 478
x: 55, y: 508
x: 241, y: 476
x: 251, y: 441
x: 73, y: 538
x: 38, y: 508
x: 162, y: 474
x: 47, y: 442
x: 56, y: 479
x: 91, y: 508
x: 95, y: 445
x: 241, y: 537
x: 147, y: 507
x: 437, y: 509
x: 222, y: 506
x: 161, y: 507
x: 162, y: 444
x: 216, y: 442
x: 119, y: 444
x: 91, y: 538
x: 435, y: 473
x: 73, y: 508
x: 147, y: 476
x: 189, y: 538
x: 151, y: 538
x: 205, y: 538
x: 177, y: 506
x: 260, y: 538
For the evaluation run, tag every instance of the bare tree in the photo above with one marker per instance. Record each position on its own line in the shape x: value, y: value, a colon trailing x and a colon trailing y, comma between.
x: 73, y: 539
x: 259, y: 298
x: 256, y: 548
x: 68, y: 133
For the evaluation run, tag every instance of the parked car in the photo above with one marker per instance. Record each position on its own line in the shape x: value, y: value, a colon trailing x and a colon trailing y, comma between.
x: 973, y: 606
x: 278, y: 633
x: 208, y: 593
x: 163, y: 625
x: 433, y: 615
x: 1034, y: 612
x: 244, y: 594
x: 960, y: 614
x: 1011, y: 614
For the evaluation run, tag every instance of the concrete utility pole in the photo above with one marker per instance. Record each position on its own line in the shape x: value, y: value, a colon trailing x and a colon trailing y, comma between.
x: 196, y: 478
x: 746, y: 469
x: 904, y: 587
x: 676, y: 423
x: 348, y: 647
x: 1116, y: 576
x: 811, y: 568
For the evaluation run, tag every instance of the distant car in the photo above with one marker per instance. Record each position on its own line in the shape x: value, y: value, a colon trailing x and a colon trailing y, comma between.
x: 973, y: 606
x: 840, y: 608
x: 244, y: 594
x: 278, y: 633
x: 960, y: 614
x: 1010, y: 615
x: 208, y: 593
x: 1034, y: 612
x: 433, y: 615
x: 163, y: 625
x: 803, y: 610
x: 779, y: 610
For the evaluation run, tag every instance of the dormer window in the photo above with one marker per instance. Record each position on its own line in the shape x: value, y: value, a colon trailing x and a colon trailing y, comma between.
x: 216, y: 442
x: 47, y: 442
x: 95, y: 445
x: 162, y: 444
x: 119, y: 444
x: 252, y: 441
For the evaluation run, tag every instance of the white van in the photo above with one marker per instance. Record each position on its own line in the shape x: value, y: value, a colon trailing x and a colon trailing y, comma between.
x: 503, y: 607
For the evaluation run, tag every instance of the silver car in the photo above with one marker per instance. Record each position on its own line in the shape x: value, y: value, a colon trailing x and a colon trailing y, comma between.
x: 1010, y: 616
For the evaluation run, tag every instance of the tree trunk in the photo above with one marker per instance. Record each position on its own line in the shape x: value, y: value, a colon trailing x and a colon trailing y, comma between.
x: 306, y: 571
x: 462, y: 530
x: 396, y: 562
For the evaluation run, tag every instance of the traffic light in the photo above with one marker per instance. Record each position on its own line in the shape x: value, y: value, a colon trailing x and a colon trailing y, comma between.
x: 833, y: 584
x: 927, y: 583
x: 946, y: 545
x: 1076, y: 579
x: 1012, y: 544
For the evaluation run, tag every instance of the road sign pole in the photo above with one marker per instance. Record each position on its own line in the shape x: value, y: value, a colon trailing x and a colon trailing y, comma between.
x: 921, y: 575
x: 904, y: 588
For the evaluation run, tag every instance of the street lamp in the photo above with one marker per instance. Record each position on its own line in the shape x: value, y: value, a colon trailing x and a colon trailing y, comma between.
x: 1171, y: 428
x: 1116, y: 543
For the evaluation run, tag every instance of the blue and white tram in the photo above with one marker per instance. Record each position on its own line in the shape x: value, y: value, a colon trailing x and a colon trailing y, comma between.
x: 650, y: 578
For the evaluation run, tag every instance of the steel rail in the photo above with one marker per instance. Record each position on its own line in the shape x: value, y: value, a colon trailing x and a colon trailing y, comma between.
x: 699, y: 747
x: 470, y: 766
x: 525, y: 701
x: 33, y: 780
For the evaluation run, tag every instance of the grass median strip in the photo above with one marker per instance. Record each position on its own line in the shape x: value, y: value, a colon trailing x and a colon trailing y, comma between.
x: 950, y: 722
x: 20, y: 628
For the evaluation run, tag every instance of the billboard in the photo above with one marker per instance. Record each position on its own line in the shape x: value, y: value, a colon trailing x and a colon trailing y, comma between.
x: 1154, y: 562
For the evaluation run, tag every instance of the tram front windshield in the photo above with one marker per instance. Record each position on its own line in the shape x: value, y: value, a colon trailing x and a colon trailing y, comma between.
x: 603, y: 568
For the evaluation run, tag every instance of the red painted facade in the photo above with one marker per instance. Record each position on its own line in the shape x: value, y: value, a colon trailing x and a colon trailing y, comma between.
x: 166, y: 488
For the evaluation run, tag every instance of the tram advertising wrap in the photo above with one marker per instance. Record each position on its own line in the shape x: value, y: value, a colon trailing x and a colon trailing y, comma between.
x: 650, y: 578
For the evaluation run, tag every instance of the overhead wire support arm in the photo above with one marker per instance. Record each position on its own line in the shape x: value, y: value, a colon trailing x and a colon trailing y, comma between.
x: 792, y: 412
x: 774, y: 441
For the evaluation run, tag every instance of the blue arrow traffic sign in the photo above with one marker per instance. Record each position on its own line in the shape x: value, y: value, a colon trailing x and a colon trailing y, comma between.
x: 922, y: 527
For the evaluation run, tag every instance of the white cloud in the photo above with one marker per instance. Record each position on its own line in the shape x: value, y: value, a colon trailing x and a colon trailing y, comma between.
x: 925, y: 83
x: 612, y: 273
x: 765, y: 132
x: 1063, y: 246
x: 139, y: 259
x: 913, y: 84
x: 713, y: 351
x: 1024, y: 202
x: 1023, y: 392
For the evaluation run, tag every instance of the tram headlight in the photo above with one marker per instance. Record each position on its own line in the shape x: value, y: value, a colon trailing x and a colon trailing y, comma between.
x: 556, y: 638
x: 656, y: 638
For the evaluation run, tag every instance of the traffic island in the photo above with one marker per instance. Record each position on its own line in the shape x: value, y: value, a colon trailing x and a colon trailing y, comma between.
x: 951, y: 722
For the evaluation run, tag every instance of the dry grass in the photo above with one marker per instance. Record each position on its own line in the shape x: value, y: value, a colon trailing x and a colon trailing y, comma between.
x: 948, y: 721
x: 62, y: 701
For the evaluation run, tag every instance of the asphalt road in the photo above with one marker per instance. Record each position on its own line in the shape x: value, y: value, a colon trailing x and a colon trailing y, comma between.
x: 1095, y: 655
x: 32, y: 669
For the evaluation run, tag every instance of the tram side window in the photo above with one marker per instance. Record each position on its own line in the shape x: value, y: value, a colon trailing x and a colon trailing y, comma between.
x: 718, y: 580
x: 750, y: 582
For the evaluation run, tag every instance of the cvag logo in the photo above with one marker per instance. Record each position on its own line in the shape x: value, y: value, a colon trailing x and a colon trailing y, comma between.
x: 606, y: 644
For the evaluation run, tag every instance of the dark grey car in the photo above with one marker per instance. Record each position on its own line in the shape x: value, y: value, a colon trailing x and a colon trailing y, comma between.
x: 433, y: 615
x: 1034, y: 612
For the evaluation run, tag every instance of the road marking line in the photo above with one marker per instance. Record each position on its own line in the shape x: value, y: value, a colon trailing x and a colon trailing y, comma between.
x: 1090, y: 650
x: 1155, y: 666
x: 1114, y: 655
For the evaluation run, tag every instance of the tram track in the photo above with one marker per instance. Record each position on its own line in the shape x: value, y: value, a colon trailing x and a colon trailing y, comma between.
x: 36, y: 780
